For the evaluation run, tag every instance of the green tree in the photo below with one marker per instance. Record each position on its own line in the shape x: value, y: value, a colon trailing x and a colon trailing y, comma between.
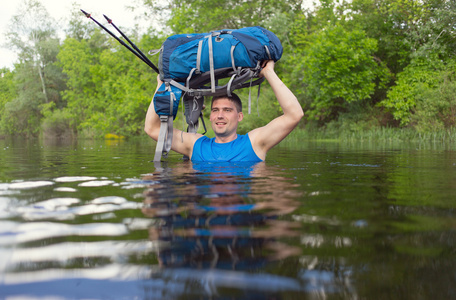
x: 8, y: 93
x: 430, y: 38
x: 406, y: 28
x: 434, y: 31
x: 436, y: 107
x: 126, y: 86
x: 79, y: 60
x: 190, y: 16
x: 32, y: 34
x: 389, y: 22
x: 420, y: 75
x: 339, y: 69
x: 427, y: 82
x: 109, y: 88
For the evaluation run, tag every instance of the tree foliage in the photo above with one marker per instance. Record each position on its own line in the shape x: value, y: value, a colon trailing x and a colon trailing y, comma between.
x: 32, y: 34
x: 436, y: 107
x: 108, y: 87
x: 430, y: 36
x: 8, y: 92
x: 421, y: 83
x: 206, y: 15
x: 339, y: 69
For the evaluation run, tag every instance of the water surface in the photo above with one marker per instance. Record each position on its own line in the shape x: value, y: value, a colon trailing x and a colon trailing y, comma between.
x: 327, y: 220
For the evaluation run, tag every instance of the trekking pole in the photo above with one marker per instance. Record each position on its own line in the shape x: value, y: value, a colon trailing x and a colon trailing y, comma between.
x: 147, y: 62
x: 132, y: 44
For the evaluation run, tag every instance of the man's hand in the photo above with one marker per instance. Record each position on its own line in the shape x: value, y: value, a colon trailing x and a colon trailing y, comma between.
x: 267, y: 65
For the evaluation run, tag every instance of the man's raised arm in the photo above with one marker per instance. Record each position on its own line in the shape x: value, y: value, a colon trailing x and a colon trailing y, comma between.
x: 152, y: 122
x: 266, y: 137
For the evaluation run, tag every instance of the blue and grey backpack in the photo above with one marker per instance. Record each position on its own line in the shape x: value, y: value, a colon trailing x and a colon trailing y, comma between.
x: 191, y: 66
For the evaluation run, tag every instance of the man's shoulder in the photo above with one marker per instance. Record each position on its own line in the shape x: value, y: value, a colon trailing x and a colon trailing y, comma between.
x: 202, y: 138
x: 254, y: 133
x: 183, y: 142
x: 255, y: 137
x: 201, y: 141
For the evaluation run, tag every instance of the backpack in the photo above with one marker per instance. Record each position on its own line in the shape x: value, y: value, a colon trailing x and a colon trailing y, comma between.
x: 191, y: 65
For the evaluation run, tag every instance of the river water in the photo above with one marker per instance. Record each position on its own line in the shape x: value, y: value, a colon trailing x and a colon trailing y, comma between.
x: 317, y: 220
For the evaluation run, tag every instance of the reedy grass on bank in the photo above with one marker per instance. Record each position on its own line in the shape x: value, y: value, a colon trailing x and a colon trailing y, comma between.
x: 380, y: 134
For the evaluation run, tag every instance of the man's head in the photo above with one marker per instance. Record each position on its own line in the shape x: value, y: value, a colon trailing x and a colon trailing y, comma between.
x: 226, y: 113
x: 234, y: 98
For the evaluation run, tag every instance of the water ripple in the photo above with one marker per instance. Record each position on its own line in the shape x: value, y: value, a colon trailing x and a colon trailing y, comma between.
x: 63, y: 252
x: 62, y: 209
x: 34, y: 231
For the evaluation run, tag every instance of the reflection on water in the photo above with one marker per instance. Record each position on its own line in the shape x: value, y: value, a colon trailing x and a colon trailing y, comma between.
x: 222, y: 218
x: 213, y: 231
x: 92, y: 220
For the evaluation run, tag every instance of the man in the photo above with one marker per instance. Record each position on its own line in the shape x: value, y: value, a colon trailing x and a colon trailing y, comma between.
x: 225, y: 115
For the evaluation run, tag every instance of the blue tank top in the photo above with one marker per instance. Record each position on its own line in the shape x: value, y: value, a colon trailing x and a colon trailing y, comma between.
x: 240, y: 149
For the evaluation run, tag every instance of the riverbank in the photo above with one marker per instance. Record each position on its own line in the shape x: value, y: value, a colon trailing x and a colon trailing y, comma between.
x: 385, y: 134
x: 378, y: 134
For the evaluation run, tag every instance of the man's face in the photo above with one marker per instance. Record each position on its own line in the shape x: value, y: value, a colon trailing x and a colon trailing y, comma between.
x: 224, y: 117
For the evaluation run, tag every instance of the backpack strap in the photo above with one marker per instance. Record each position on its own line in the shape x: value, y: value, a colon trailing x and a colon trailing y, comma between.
x: 196, y: 85
x: 165, y: 137
x: 211, y: 63
x: 166, y: 102
x: 198, y: 56
x: 193, y: 106
x: 193, y: 110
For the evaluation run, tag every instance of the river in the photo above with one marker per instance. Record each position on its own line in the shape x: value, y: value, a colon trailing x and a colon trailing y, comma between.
x: 318, y: 220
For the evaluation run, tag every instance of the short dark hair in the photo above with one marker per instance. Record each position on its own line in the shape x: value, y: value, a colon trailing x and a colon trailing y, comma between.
x: 233, y: 98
